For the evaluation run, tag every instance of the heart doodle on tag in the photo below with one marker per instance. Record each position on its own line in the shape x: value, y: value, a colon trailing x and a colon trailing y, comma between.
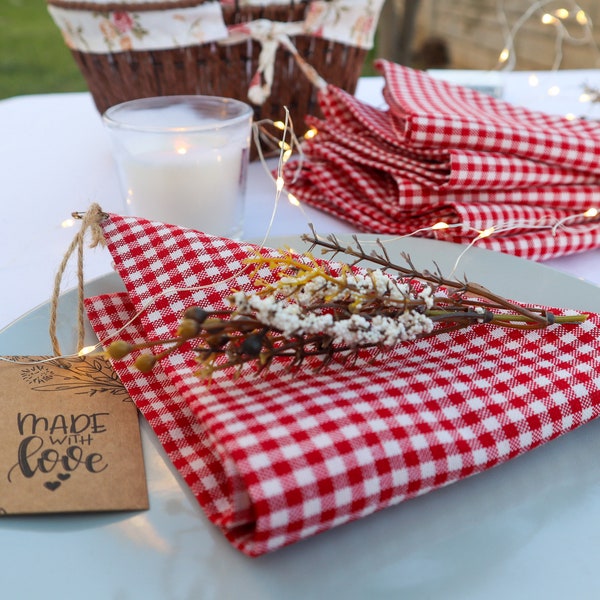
x: 63, y: 476
x: 52, y: 485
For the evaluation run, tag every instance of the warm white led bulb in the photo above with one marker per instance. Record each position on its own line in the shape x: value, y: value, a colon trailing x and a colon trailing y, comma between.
x: 440, y: 225
x: 86, y: 350
x: 581, y: 17
x: 486, y: 232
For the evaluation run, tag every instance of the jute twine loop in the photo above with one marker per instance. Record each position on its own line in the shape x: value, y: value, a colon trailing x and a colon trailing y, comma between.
x: 90, y: 220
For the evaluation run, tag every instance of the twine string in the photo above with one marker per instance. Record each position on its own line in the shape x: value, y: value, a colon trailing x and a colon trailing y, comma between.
x: 90, y: 220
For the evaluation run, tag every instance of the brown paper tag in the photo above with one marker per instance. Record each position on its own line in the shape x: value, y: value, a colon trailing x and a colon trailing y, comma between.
x: 69, y: 439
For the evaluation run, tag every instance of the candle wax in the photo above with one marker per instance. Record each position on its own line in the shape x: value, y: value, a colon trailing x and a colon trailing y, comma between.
x: 200, y: 188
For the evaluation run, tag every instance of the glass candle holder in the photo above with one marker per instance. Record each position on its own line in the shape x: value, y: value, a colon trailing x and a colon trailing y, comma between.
x: 183, y: 160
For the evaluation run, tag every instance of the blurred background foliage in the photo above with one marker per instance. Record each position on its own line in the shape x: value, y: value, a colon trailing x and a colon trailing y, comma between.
x: 33, y: 56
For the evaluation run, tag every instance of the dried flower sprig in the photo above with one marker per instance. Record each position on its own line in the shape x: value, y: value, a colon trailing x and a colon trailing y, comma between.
x: 457, y: 290
x: 309, y: 313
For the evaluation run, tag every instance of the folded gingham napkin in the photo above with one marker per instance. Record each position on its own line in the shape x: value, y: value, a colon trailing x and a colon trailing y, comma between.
x: 429, y: 112
x: 442, y: 152
x: 275, y: 459
x: 445, y: 161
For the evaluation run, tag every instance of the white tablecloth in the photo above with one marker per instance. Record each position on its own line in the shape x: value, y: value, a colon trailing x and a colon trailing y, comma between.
x: 56, y: 159
x: 527, y: 531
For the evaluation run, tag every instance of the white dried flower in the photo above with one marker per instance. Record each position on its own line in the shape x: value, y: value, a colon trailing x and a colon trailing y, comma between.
x: 352, y: 288
x: 426, y: 294
x: 291, y: 320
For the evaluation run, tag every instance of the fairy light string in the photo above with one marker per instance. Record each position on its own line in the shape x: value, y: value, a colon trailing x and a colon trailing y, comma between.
x: 572, y: 26
x: 562, y: 19
x: 571, y: 15
x: 288, y: 145
x: 286, y: 152
x: 591, y: 214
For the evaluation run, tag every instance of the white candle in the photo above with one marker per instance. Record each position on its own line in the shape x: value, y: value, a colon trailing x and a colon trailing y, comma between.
x: 201, y: 189
x: 181, y: 165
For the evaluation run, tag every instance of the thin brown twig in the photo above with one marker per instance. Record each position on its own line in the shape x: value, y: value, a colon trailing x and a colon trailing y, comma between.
x: 331, y: 243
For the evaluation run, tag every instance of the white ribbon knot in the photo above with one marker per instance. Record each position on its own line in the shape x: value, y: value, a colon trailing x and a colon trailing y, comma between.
x: 271, y: 35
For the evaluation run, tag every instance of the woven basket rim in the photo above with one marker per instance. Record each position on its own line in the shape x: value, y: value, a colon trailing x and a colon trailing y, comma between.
x: 153, y: 5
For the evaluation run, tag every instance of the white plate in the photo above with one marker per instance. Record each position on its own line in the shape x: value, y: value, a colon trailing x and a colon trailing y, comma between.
x: 529, y: 528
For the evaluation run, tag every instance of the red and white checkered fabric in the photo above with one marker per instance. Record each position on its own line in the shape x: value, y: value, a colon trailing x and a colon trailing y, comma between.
x: 441, y: 152
x: 275, y: 459
x: 435, y: 165
x: 428, y: 112
x: 367, y: 200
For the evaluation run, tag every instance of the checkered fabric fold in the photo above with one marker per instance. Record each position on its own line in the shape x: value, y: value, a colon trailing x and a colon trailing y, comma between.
x: 275, y: 459
x: 437, y: 145
x: 433, y: 113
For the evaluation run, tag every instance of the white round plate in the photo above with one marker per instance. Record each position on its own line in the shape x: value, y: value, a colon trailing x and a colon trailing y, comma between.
x: 529, y: 528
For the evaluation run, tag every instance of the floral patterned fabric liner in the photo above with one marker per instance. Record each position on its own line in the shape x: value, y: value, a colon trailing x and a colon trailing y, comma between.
x: 351, y: 22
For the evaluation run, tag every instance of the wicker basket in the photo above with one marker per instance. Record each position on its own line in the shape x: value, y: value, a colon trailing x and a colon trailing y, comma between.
x: 215, y: 68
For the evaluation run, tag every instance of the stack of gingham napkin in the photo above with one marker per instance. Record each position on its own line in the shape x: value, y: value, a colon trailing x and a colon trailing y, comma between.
x: 439, y: 152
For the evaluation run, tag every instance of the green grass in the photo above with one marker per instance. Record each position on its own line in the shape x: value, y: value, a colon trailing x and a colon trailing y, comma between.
x: 33, y: 56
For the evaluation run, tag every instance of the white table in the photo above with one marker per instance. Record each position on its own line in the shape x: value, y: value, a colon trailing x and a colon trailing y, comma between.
x: 55, y: 159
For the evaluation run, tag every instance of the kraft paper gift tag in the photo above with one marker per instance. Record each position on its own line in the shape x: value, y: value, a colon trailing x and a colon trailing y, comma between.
x: 69, y: 438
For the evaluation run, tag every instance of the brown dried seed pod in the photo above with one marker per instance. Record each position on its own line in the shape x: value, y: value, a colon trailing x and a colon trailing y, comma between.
x: 252, y: 345
x: 119, y: 349
x: 196, y: 313
x: 188, y: 328
x: 145, y: 362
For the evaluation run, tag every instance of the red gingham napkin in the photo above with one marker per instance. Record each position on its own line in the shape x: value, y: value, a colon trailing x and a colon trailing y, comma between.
x: 441, y: 152
x: 275, y: 459
x: 369, y: 200
x: 429, y: 112
x: 437, y: 165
